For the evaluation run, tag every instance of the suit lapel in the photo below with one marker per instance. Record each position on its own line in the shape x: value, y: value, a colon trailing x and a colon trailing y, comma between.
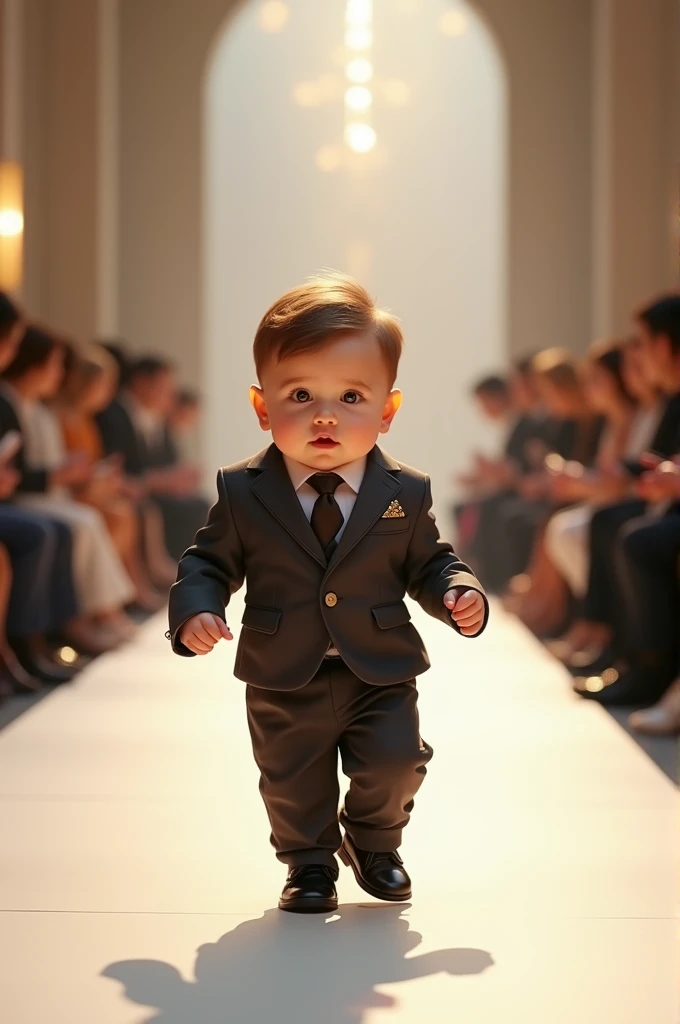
x: 272, y: 486
x: 378, y: 488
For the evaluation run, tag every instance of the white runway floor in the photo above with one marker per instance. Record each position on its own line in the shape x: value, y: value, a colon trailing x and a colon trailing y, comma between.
x: 136, y: 878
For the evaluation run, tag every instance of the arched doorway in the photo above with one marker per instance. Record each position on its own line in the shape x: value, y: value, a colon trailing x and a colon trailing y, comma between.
x: 420, y: 219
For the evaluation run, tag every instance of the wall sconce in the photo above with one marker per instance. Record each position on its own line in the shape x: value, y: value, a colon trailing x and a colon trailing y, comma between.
x: 11, y: 226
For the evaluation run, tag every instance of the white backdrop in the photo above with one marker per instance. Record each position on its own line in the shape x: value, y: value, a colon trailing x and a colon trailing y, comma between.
x: 420, y: 220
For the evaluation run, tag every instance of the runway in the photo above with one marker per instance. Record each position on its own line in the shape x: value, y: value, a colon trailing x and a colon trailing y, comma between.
x: 137, y: 882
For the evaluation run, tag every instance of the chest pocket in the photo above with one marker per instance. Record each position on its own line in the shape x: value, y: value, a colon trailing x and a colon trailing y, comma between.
x: 396, y: 525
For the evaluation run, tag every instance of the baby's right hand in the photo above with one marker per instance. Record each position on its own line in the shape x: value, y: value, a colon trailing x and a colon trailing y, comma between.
x: 201, y: 632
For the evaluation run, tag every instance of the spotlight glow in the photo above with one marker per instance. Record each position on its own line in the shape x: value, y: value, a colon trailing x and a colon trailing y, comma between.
x: 358, y: 98
x: 359, y: 70
x: 11, y: 223
x: 358, y: 38
x: 359, y: 12
x: 360, y: 137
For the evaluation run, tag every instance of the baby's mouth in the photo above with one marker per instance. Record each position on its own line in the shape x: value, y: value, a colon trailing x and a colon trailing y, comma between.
x: 324, y: 442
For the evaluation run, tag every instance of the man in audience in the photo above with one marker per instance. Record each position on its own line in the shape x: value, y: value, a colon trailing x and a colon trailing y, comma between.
x: 492, y: 482
x: 136, y: 427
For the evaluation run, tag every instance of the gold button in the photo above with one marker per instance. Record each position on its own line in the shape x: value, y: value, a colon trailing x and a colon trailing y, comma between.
x: 331, y: 599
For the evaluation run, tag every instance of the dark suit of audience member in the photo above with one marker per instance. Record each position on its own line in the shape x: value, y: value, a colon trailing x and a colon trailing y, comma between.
x: 648, y: 562
x: 43, y: 597
x: 517, y: 520
x: 183, y: 515
x: 603, y: 600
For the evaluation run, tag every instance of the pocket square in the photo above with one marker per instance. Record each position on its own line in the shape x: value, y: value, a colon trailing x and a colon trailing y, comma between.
x: 394, y: 511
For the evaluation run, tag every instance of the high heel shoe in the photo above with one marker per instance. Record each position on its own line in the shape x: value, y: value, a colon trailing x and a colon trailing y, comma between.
x: 663, y: 719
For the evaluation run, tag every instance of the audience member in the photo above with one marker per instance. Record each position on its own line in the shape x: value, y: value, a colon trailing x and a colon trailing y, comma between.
x: 136, y: 426
x: 89, y: 386
x: 47, y: 477
x: 602, y: 513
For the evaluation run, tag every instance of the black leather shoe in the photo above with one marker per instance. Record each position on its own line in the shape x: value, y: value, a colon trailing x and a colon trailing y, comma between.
x: 39, y: 666
x: 626, y: 689
x: 379, y: 874
x: 310, y: 889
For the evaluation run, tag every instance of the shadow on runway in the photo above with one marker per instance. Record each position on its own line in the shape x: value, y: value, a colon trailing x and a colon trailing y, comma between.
x: 294, y: 969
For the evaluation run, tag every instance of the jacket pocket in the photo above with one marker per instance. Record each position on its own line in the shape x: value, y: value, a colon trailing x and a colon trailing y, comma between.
x: 389, y: 615
x: 264, y: 620
x: 397, y: 525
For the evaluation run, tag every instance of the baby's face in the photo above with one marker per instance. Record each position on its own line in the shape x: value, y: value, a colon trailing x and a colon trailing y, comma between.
x: 326, y: 408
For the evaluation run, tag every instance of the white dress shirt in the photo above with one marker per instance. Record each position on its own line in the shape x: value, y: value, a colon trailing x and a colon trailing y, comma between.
x: 345, y: 495
x: 148, y: 424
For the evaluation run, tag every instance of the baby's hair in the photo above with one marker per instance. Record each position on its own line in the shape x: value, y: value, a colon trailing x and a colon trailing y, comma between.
x: 319, y: 312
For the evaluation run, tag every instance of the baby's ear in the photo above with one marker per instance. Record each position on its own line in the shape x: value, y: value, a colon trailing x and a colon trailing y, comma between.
x: 390, y: 409
x: 258, y: 403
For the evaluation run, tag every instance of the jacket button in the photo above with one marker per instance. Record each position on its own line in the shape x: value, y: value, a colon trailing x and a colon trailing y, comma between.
x: 331, y: 599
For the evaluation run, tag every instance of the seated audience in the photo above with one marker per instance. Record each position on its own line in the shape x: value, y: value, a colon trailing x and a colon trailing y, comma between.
x: 136, y: 427
x: 621, y: 391
x: 89, y: 386
x: 569, y: 432
x: 610, y: 609
x: 606, y: 525
x: 491, y: 482
x: 47, y: 477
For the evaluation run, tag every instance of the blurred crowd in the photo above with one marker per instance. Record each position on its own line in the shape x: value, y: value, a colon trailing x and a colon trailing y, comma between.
x: 576, y: 525
x: 96, y: 500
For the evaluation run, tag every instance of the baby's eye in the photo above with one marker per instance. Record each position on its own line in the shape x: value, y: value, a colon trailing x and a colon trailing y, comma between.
x: 351, y: 397
x: 301, y: 395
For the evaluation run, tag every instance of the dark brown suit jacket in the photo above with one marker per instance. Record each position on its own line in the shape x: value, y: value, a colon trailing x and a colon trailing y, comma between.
x: 295, y: 601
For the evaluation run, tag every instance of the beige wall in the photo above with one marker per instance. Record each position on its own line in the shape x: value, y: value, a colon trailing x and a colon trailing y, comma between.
x: 547, y: 47
x: 556, y: 58
x: 637, y: 174
x: 60, y: 152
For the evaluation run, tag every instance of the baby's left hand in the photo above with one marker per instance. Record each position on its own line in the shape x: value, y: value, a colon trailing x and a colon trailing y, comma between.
x: 467, y: 610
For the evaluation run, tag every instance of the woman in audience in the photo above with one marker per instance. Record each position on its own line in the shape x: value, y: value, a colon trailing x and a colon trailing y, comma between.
x: 615, y: 375
x: 89, y: 386
x: 103, y: 586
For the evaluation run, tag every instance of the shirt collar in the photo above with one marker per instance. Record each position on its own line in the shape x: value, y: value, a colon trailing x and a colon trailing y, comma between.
x: 352, y: 473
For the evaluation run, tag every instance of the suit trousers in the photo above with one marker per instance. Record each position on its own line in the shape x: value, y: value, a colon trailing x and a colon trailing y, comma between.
x: 603, y: 600
x: 297, y: 736
x: 43, y: 597
x: 650, y: 584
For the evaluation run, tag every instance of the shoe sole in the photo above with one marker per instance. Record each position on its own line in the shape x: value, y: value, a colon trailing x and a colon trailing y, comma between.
x: 375, y: 893
x: 309, y: 906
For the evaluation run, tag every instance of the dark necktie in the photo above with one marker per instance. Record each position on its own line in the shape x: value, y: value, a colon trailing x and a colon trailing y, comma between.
x: 326, y: 515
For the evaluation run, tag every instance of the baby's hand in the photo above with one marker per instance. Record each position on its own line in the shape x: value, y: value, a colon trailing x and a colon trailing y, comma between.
x: 201, y: 632
x: 467, y: 610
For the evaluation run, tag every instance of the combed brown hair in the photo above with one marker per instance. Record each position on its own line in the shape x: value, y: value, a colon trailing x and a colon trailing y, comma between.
x: 314, y: 314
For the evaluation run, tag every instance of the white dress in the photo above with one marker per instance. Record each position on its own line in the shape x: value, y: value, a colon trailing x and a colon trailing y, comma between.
x: 101, y: 580
x: 568, y: 532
